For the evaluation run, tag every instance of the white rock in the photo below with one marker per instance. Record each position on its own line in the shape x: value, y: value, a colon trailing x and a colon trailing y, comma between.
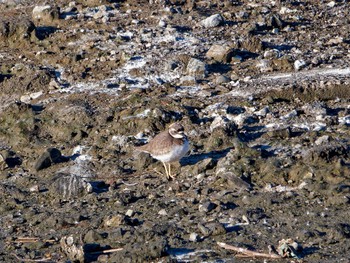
x: 322, y: 139
x: 162, y: 23
x: 263, y: 112
x: 194, y: 237
x: 212, y: 21
x: 162, y: 212
x: 299, y: 64
x: 130, y: 213
x: 217, y: 122
x: 331, y: 4
x: 196, y: 67
x: 290, y: 115
x: 45, y: 13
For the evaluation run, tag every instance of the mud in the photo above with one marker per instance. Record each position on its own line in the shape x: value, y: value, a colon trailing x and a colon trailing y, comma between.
x: 262, y: 90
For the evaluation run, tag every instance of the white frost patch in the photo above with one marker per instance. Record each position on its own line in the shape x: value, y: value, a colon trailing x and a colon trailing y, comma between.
x: 281, y: 188
x: 310, y: 73
x: 316, y: 126
x: 345, y: 120
x: 141, y: 115
x: 183, y: 256
x: 119, y: 140
x: 78, y: 150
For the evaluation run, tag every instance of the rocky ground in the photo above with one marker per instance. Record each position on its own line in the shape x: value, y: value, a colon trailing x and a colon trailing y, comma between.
x: 262, y: 89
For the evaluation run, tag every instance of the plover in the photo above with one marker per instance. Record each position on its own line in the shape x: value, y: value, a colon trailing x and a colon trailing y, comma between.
x: 168, y: 146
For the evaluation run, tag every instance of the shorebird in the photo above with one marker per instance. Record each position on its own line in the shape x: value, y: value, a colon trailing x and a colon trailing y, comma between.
x: 168, y: 146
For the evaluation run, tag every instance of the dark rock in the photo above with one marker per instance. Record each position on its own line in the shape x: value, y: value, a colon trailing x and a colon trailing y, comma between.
x: 49, y: 157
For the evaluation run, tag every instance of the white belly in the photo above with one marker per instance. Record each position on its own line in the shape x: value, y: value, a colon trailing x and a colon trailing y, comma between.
x: 176, y: 154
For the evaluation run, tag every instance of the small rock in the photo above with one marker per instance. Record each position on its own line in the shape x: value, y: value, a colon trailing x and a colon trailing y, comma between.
x: 299, y: 64
x: 129, y: 213
x: 68, y: 186
x: 221, y: 79
x: 73, y: 251
x: 92, y: 236
x: 194, y: 237
x: 45, y: 14
x: 212, y: 21
x: 323, y: 139
x: 204, y: 230
x: 162, y: 212
x: 196, y: 67
x: 206, y: 207
x: 49, y: 157
x: 289, y: 115
x: 220, y: 53
x: 162, y: 23
x: 114, y: 221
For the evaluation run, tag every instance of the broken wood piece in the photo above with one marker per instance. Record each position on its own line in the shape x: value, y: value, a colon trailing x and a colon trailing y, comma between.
x: 33, y: 240
x: 247, y: 252
x: 31, y: 260
x: 106, y: 251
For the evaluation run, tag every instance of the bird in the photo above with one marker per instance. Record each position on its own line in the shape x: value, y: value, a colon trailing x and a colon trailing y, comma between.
x: 168, y: 146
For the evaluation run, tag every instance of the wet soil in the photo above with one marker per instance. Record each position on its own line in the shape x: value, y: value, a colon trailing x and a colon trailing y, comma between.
x: 262, y: 89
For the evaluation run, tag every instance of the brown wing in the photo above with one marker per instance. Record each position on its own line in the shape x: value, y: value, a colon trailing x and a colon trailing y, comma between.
x: 160, y: 144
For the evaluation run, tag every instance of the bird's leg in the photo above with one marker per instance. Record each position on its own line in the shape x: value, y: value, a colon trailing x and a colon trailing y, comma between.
x: 166, y: 171
x: 171, y: 176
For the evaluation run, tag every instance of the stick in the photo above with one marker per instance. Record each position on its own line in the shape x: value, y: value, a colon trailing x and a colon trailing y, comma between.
x: 31, y: 260
x: 32, y: 240
x: 247, y: 252
x: 107, y: 251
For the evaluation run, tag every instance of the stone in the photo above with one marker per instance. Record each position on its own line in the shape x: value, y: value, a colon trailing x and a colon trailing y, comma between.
x: 162, y: 212
x: 193, y: 237
x: 212, y: 21
x: 197, y: 68
x: 206, y: 207
x: 67, y: 186
x: 222, y: 79
x: 45, y: 14
x: 299, y: 64
x: 130, y: 213
x: 73, y: 251
x: 49, y: 157
x: 114, y: 220
x: 221, y: 53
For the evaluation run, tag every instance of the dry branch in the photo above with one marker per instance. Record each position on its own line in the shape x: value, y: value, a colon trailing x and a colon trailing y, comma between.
x: 248, y: 253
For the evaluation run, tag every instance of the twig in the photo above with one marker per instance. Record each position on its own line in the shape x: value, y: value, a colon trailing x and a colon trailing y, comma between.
x: 31, y: 260
x: 107, y: 251
x: 33, y: 240
x: 247, y: 252
x: 127, y: 184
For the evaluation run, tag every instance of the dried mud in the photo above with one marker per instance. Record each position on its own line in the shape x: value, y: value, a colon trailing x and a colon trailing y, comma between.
x: 262, y: 90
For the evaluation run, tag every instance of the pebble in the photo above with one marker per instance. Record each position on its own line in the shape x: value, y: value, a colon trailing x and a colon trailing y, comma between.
x: 220, y: 53
x: 196, y: 67
x: 162, y: 212
x: 194, y: 237
x: 114, y: 221
x: 45, y: 13
x: 221, y: 79
x: 212, y: 21
x: 130, y: 213
x: 206, y: 207
x: 49, y: 157
x: 299, y: 64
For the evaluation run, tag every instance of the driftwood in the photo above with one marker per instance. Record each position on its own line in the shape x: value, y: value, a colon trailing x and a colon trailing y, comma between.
x: 248, y: 253
x: 31, y: 260
x: 33, y: 240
